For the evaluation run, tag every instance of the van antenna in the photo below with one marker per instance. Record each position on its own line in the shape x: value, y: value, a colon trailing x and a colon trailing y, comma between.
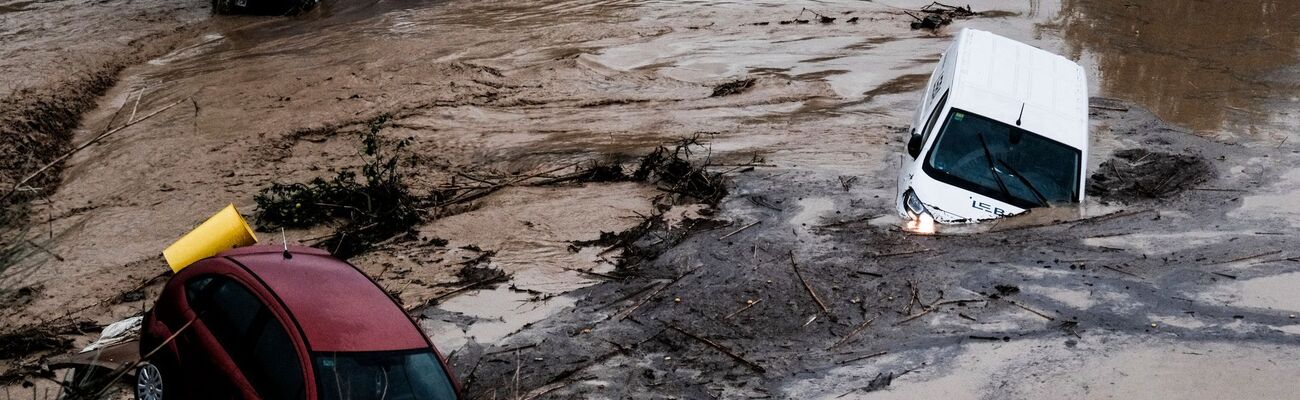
x: 285, y: 242
x: 1022, y: 114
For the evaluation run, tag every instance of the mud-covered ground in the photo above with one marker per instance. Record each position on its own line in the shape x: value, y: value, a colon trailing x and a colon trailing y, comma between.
x: 1174, y: 278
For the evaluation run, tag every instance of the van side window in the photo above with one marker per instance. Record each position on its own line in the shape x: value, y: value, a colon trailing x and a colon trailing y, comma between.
x: 253, y: 338
x: 934, y: 116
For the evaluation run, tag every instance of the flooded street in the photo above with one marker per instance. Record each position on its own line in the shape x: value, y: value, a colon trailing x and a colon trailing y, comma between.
x: 1188, y: 294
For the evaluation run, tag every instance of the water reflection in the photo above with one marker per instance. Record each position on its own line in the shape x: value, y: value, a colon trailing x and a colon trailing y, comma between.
x: 1206, y: 65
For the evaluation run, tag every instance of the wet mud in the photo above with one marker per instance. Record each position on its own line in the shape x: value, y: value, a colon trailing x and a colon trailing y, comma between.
x: 787, y: 275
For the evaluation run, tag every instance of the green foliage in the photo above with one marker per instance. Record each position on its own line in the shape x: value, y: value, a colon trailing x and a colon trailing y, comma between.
x: 376, y: 205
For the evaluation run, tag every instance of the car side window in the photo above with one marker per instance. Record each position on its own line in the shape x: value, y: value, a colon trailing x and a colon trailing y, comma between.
x: 252, y: 336
x: 934, y: 117
x: 196, y: 288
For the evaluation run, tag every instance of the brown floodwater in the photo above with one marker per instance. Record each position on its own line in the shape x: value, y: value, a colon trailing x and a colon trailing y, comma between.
x: 1211, y: 66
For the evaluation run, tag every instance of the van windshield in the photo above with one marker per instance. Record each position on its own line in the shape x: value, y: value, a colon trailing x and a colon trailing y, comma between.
x: 1003, y: 162
x: 392, y: 375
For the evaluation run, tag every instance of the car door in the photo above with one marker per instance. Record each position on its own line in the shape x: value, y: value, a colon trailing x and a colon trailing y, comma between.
x: 250, y: 346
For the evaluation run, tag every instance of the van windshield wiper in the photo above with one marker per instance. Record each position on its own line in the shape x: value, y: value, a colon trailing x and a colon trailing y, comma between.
x: 1042, y: 200
x: 988, y: 157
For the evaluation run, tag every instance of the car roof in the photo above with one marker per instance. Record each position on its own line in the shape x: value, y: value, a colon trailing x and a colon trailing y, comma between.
x: 338, y: 308
x: 996, y: 76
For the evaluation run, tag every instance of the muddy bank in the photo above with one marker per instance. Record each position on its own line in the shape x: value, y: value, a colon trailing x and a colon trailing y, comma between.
x: 819, y: 295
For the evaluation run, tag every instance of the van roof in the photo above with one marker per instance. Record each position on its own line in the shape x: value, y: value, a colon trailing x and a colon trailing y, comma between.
x: 996, y: 76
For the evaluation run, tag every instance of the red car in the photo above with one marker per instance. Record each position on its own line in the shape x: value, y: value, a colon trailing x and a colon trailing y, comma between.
x: 263, y: 322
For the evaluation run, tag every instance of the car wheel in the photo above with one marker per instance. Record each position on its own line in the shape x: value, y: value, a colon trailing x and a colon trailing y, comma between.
x: 149, y: 382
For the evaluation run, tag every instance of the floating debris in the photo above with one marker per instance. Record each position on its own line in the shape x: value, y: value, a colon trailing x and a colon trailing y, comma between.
x: 936, y: 15
x: 1144, y: 174
x: 733, y: 87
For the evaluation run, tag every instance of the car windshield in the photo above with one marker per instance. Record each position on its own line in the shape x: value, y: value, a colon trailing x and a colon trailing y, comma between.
x: 1004, y: 162
x: 400, y: 375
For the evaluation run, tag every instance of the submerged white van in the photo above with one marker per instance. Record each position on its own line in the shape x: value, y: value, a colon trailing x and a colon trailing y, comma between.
x: 1002, y: 127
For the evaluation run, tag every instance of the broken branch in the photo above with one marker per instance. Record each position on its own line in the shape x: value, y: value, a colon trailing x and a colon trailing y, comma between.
x: 812, y: 292
x: 719, y: 348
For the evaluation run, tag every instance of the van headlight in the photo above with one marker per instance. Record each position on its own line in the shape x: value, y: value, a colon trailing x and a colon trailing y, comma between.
x: 922, y: 222
x: 914, y: 204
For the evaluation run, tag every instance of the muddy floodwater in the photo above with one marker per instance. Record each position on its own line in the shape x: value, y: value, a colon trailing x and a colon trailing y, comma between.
x: 798, y: 284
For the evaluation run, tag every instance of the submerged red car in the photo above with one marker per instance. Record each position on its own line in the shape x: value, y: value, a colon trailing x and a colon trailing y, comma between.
x: 263, y: 322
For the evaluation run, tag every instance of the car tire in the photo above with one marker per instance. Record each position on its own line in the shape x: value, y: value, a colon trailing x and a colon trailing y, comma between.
x: 152, y: 379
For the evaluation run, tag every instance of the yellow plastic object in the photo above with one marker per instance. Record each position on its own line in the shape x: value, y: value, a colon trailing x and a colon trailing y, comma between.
x: 224, y: 231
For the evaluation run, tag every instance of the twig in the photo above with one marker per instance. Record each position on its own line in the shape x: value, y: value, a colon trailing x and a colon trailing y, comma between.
x: 1107, y: 217
x: 812, y: 292
x: 511, y: 349
x: 905, y: 253
x: 913, y: 298
x: 1233, y: 277
x: 65, y: 156
x: 934, y: 306
x: 628, y: 313
x: 872, y: 355
x: 742, y: 309
x: 128, y: 367
x: 518, y: 366
x: 1249, y: 257
x: 443, y: 296
x: 1218, y: 190
x: 1122, y: 271
x: 135, y: 107
x: 1108, y: 107
x: 1036, y: 312
x: 594, y: 273
x: 724, y: 237
x: 42, y: 248
x: 720, y: 348
x: 855, y: 332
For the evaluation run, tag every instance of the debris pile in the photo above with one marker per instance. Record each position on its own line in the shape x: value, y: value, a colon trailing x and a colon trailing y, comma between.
x: 673, y: 171
x: 21, y: 343
x: 733, y: 87
x: 376, y: 206
x: 1136, y: 174
x: 936, y: 15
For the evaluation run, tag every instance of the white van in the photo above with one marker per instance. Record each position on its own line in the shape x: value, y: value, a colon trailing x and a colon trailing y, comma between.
x: 1002, y: 127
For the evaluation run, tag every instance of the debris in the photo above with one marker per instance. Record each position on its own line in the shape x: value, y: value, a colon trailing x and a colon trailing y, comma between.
x: 1122, y: 271
x: 627, y: 313
x: 501, y: 278
x: 718, y: 347
x: 751, y: 225
x: 1240, y: 259
x: 33, y: 339
x: 674, y: 171
x: 748, y: 304
x: 1136, y: 174
x: 117, y: 332
x: 853, y: 333
x: 937, y: 15
x: 881, y: 381
x: 733, y: 87
x: 375, y: 208
x: 1006, y: 290
x: 1233, y: 277
x: 1036, y: 312
x: 856, y: 359
x: 807, y: 286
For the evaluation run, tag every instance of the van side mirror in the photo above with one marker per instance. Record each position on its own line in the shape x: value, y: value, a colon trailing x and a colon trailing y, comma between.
x: 914, y: 146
